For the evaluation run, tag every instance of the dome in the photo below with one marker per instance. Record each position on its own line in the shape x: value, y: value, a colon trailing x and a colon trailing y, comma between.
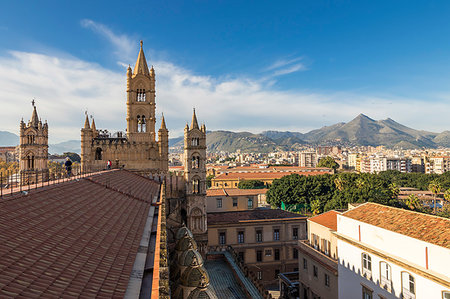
x: 178, y: 294
x: 195, y: 277
x: 190, y: 258
x: 202, y: 293
x: 183, y: 232
x: 186, y: 243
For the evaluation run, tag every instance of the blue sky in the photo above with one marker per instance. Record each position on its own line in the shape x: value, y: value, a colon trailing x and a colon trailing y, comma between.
x: 245, y: 65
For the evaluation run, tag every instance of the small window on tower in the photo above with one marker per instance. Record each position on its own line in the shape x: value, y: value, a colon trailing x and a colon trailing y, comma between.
x: 195, y: 141
x: 140, y: 95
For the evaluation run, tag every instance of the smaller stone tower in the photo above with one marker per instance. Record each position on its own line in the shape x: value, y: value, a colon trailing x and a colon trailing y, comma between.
x: 195, y: 177
x: 33, y: 150
x: 163, y: 145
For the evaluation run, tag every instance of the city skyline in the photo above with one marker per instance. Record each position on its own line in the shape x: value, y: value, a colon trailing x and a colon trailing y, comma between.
x: 270, y: 66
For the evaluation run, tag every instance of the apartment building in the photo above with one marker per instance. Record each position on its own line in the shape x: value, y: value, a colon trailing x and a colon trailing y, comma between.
x: 318, y: 258
x: 438, y: 165
x: 233, y: 199
x: 386, y: 252
x: 265, y: 239
x: 400, y: 164
x: 307, y: 159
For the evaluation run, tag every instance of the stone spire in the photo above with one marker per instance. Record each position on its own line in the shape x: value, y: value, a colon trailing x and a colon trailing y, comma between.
x: 34, y: 116
x: 93, y: 126
x: 163, y: 123
x: 194, y: 123
x: 86, y: 122
x: 141, y: 66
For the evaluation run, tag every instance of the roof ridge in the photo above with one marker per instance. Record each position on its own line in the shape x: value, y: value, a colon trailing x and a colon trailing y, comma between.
x: 400, y: 209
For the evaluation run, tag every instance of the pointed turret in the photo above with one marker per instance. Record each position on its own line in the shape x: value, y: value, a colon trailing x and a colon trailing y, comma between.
x: 86, y: 122
x: 194, y: 123
x: 34, y: 117
x: 93, y: 125
x: 163, y: 123
x: 152, y: 72
x: 141, y: 66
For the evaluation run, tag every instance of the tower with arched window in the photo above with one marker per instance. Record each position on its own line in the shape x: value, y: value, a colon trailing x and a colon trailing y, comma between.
x: 137, y: 148
x: 33, y: 150
x: 195, y: 175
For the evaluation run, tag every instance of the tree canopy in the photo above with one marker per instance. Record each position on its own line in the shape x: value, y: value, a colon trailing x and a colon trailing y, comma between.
x: 337, y: 190
x: 328, y: 162
x: 251, y: 184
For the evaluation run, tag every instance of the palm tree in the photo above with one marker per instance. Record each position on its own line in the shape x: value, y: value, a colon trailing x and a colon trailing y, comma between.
x: 360, y: 183
x: 339, y: 182
x: 395, y: 190
x: 412, y: 201
x: 435, y: 188
x: 315, y: 206
x: 446, y: 197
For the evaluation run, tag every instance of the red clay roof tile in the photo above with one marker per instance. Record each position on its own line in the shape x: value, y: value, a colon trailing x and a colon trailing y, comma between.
x: 75, y: 239
x: 428, y: 228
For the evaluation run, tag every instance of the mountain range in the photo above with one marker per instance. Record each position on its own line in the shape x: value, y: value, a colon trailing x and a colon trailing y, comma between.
x: 361, y: 131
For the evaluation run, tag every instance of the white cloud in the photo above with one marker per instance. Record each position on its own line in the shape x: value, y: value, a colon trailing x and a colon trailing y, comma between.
x: 286, y: 66
x: 124, y: 46
x: 64, y: 88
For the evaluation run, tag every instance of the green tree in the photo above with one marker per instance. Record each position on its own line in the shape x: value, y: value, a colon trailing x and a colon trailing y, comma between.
x: 435, y: 188
x: 328, y: 162
x: 251, y: 184
x: 315, y: 207
x: 208, y: 180
x: 395, y: 190
x: 413, y: 202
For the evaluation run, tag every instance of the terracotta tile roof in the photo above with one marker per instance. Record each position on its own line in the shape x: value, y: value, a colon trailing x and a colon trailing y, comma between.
x: 260, y: 175
x: 428, y: 228
x: 277, y: 169
x: 251, y: 215
x: 234, y: 192
x: 75, y: 239
x: 328, y: 219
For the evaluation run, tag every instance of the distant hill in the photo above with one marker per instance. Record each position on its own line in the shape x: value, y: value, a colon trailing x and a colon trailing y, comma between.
x: 361, y: 131
x: 8, y: 139
x: 73, y: 146
x: 365, y: 131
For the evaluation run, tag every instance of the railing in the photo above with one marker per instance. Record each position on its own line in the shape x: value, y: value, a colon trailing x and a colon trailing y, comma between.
x: 12, y: 181
x: 247, y: 272
x: 386, y: 284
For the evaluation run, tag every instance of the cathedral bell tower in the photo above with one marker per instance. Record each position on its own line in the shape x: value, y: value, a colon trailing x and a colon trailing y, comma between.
x: 33, y: 150
x: 141, y: 101
x: 195, y: 176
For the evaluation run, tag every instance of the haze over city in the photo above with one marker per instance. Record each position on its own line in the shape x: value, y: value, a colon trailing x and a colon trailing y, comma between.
x: 297, y: 66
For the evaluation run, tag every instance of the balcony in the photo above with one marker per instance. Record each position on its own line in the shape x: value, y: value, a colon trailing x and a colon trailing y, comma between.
x: 386, y: 284
x: 325, y: 260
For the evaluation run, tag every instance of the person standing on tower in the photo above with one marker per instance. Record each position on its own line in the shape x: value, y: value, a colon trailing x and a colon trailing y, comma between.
x: 68, y: 166
x: 108, y: 164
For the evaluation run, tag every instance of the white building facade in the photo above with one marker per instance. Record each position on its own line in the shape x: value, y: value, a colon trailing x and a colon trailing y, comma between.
x: 386, y: 252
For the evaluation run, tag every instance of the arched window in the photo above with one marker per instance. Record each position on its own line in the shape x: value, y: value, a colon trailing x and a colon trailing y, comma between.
x: 140, y: 95
x: 30, y: 161
x: 143, y: 124
x: 31, y: 139
x: 195, y: 162
x: 98, y: 153
x: 196, y: 186
x: 366, y: 265
x: 139, y: 121
x: 195, y: 141
x: 408, y: 285
x: 385, y: 276
x: 197, y: 220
